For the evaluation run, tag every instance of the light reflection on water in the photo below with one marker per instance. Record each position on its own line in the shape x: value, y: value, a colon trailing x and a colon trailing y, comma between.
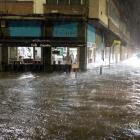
x: 58, y: 106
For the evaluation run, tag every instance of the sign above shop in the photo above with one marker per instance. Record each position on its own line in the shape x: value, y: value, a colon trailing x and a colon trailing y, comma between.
x: 117, y: 41
x: 34, y: 45
x: 40, y: 45
x: 65, y: 29
x: 54, y: 11
x: 45, y: 45
x: 75, y: 10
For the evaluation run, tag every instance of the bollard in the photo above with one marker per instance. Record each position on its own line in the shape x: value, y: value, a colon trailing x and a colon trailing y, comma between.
x: 53, y: 65
x: 39, y: 63
x: 100, y: 70
x: 58, y: 65
x: 18, y: 65
x: 76, y: 73
x: 33, y: 65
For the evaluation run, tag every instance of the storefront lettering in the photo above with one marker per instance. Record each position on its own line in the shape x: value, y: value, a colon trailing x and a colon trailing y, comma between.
x: 65, y: 32
x: 34, y: 45
x: 43, y: 45
x: 75, y: 10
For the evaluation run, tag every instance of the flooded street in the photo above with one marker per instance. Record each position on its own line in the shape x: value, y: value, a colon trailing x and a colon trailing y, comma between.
x: 36, y: 106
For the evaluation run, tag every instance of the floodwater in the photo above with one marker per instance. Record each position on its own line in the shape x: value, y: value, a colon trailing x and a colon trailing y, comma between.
x: 41, y: 106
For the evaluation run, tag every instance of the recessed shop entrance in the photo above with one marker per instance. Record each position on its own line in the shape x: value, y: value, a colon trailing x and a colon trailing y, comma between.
x: 59, y: 52
x: 74, y: 53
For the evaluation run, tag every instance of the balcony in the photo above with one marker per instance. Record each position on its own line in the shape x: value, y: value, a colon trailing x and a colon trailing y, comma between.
x: 66, y: 9
x: 117, y: 31
x: 114, y: 28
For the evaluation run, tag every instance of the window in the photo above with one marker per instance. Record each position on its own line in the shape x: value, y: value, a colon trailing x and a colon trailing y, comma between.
x: 63, y: 2
x: 90, y: 52
x: 76, y: 2
x: 25, y: 52
x: 57, y: 54
x: 86, y: 2
x: 83, y: 2
x: 51, y: 1
x: 114, y: 15
x: 14, y: 53
x: 124, y: 29
x: 38, y: 53
x: 121, y: 26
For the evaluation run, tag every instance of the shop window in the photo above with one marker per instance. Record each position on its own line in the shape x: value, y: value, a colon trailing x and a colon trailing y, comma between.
x: 13, y: 53
x: 90, y: 53
x: 63, y: 2
x: 75, y: 2
x: 38, y: 53
x: 25, y: 53
x: 73, y: 53
x: 58, y: 53
x: 51, y: 1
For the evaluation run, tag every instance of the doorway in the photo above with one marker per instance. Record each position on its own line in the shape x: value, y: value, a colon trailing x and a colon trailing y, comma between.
x: 74, y: 53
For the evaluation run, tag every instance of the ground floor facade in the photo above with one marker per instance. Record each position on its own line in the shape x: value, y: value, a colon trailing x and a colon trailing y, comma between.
x: 45, y: 47
x: 46, y: 57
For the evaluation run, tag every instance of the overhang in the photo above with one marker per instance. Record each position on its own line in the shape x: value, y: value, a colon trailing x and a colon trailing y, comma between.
x: 42, y: 42
x: 98, y: 24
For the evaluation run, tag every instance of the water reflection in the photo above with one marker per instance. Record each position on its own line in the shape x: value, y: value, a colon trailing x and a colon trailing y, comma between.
x: 56, y: 106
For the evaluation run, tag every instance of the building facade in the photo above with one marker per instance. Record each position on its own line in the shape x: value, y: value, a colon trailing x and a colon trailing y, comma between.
x: 94, y: 32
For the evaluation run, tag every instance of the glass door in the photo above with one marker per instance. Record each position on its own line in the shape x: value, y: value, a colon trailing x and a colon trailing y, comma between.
x: 74, y: 53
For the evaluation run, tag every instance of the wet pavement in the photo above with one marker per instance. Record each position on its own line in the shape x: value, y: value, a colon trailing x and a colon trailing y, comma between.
x: 57, y: 106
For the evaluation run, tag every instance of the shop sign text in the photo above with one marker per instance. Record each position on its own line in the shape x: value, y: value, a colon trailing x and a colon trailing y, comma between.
x: 41, y: 45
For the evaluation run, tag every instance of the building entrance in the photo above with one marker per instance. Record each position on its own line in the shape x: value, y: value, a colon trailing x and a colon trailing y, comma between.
x: 59, y: 52
x: 74, y: 53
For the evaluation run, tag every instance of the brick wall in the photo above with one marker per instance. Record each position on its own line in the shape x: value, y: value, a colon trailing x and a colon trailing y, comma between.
x: 65, y: 9
x: 16, y: 7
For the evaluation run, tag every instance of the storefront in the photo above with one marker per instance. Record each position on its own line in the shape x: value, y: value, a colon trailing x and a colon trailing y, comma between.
x: 62, y: 52
x: 68, y: 37
x: 27, y: 42
x: 18, y: 42
x: 27, y: 54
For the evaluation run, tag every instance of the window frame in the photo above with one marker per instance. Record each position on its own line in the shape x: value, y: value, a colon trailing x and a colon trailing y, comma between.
x: 63, y: 3
x: 51, y: 3
x: 74, y: 3
x: 114, y: 15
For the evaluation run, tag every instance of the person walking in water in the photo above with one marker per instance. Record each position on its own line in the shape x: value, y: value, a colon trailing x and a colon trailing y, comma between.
x: 68, y: 62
